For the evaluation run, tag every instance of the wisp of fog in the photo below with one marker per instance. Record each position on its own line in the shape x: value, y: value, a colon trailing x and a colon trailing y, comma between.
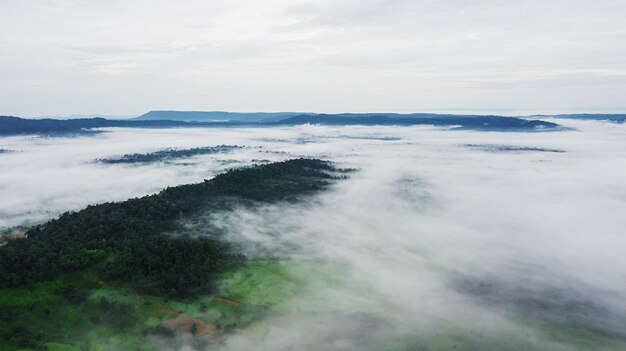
x: 445, y: 236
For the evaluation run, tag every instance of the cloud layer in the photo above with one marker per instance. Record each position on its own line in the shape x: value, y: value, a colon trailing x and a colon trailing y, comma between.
x: 431, y: 239
x: 124, y: 58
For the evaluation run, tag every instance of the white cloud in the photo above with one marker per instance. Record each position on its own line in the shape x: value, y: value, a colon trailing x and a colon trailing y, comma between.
x: 120, y: 57
x: 422, y: 214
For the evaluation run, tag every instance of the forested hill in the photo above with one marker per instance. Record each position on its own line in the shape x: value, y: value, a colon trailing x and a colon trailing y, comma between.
x: 17, y: 126
x: 127, y: 242
x: 14, y: 125
x: 492, y: 123
x: 213, y: 116
x: 613, y: 117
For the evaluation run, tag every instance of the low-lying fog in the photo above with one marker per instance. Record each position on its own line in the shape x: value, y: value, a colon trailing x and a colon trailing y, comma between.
x: 435, y: 234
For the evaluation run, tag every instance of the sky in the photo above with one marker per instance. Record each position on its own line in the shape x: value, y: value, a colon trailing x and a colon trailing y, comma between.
x: 114, y: 57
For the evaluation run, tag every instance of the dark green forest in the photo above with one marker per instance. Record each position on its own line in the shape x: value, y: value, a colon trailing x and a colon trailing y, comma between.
x: 15, y: 126
x: 168, y: 154
x: 129, y: 240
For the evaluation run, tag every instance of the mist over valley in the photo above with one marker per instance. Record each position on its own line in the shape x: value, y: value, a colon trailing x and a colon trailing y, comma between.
x: 429, y: 238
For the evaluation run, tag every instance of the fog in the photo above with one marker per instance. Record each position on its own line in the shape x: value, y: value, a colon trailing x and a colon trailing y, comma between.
x: 430, y: 241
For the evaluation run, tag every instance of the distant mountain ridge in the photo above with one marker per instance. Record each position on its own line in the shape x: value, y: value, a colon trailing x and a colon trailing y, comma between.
x: 459, y: 121
x: 215, y: 116
x: 615, y: 117
x: 16, y: 126
x: 274, y: 117
x: 10, y: 125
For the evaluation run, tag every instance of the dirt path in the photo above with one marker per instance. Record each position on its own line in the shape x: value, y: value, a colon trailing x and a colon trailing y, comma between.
x: 183, y: 323
x: 229, y: 301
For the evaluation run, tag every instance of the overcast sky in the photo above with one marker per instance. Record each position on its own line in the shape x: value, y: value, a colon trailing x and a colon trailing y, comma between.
x: 114, y: 57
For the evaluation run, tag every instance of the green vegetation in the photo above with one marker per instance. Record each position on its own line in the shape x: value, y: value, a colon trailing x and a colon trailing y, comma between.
x: 64, y: 314
x: 78, y: 312
x: 109, y: 274
x: 168, y: 154
x: 98, y: 316
x: 114, y: 277
x: 130, y: 237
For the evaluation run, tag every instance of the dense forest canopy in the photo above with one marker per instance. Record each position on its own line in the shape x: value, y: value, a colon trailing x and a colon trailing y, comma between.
x: 168, y: 154
x: 129, y: 242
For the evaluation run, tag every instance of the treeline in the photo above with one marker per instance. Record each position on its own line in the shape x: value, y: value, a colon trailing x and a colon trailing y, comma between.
x: 15, y: 125
x: 471, y: 122
x: 510, y: 148
x: 168, y: 154
x: 10, y: 125
x: 128, y: 240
